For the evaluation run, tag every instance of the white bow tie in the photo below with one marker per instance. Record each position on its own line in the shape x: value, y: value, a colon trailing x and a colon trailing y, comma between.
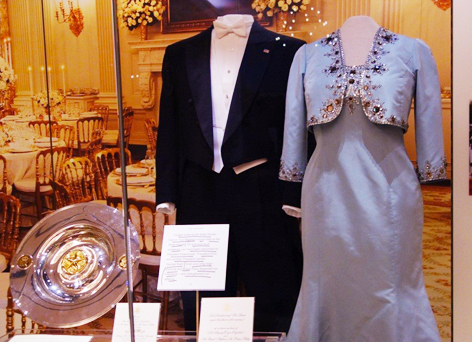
x: 222, y: 29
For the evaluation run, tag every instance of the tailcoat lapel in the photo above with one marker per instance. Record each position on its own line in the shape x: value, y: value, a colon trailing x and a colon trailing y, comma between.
x: 253, y: 66
x: 199, y: 77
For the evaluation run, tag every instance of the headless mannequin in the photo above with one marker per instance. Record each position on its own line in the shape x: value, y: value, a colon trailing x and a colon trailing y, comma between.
x: 357, y: 34
x: 169, y: 208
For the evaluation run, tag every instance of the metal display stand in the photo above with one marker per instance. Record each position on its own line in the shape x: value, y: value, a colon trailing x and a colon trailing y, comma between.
x: 119, y: 96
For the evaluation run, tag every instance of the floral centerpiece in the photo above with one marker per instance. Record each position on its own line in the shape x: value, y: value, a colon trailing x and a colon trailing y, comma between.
x: 7, y: 75
x: 7, y: 84
x: 271, y: 7
x: 41, y: 99
x: 143, y: 13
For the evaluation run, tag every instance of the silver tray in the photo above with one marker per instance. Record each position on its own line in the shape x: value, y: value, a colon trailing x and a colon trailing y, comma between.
x: 71, y: 266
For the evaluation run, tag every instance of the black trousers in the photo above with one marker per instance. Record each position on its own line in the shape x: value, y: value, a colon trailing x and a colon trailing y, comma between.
x: 264, y: 252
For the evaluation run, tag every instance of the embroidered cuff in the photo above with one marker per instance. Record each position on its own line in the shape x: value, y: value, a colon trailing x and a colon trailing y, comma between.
x: 430, y: 173
x: 292, y: 174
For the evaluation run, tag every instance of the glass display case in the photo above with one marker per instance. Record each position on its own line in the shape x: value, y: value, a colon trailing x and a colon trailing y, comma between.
x: 167, y: 336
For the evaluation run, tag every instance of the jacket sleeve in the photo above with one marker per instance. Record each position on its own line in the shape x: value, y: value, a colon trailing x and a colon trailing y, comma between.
x: 431, y: 161
x: 294, y: 154
x: 167, y: 138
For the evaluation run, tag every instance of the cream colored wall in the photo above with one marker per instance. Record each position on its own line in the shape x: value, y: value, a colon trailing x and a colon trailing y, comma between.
x: 27, y: 43
x: 78, y: 54
x: 462, y: 202
x: 89, y: 57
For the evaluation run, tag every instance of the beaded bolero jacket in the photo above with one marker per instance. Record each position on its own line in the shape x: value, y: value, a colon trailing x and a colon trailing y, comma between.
x: 397, y: 70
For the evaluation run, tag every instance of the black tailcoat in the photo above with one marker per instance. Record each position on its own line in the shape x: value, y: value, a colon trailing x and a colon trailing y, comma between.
x: 264, y: 246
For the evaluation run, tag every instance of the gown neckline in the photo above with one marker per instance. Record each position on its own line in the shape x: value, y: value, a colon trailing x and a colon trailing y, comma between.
x: 369, y: 54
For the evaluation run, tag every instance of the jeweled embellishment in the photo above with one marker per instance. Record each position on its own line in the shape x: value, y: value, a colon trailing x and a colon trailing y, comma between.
x: 430, y: 172
x: 291, y: 174
x: 353, y: 84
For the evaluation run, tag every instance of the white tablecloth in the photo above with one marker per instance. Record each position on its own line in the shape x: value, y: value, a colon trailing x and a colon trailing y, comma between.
x: 138, y: 192
x: 22, y: 165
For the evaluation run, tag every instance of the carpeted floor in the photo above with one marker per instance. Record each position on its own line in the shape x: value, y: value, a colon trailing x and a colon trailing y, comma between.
x: 436, y: 258
x: 437, y: 254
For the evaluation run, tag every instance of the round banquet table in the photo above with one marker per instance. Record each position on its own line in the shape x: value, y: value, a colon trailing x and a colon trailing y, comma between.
x: 65, y: 119
x: 141, y: 193
x: 21, y: 164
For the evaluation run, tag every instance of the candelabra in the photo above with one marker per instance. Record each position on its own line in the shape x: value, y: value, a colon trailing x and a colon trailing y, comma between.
x: 74, y: 18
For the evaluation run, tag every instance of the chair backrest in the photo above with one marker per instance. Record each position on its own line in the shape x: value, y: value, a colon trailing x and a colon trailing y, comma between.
x: 104, y: 112
x: 85, y: 128
x: 63, y: 195
x: 26, y: 325
x: 77, y: 174
x: 106, y: 161
x: 95, y: 144
x: 3, y: 175
x: 151, y: 130
x: 41, y: 127
x: 65, y: 133
x: 47, y: 162
x: 150, y: 229
x: 9, y: 225
x: 148, y: 223
x: 128, y: 116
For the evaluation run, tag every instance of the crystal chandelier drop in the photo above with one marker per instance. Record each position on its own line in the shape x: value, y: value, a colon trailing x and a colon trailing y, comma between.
x: 443, y: 4
x: 74, y: 18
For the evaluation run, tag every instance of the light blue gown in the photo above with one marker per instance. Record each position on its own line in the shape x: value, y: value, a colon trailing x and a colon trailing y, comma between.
x: 362, y: 221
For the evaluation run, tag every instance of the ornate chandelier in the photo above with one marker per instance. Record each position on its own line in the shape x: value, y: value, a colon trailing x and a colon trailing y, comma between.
x: 443, y: 4
x: 74, y: 18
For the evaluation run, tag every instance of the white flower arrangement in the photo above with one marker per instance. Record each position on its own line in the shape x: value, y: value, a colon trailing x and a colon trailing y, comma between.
x: 7, y: 75
x: 55, y: 98
x: 271, y: 7
x: 134, y: 13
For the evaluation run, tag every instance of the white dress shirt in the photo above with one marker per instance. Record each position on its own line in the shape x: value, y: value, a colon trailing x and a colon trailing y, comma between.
x: 228, y: 43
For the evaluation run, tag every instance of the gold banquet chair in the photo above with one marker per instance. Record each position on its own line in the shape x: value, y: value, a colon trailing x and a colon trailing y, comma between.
x: 151, y: 130
x: 41, y: 127
x: 85, y: 128
x: 106, y: 161
x: 128, y: 117
x: 95, y: 145
x: 9, y: 226
x: 66, y: 134
x: 111, y: 137
x: 103, y: 111
x: 78, y: 176
x: 9, y: 239
x: 47, y: 162
x: 149, y: 225
x: 4, y: 186
x: 62, y: 194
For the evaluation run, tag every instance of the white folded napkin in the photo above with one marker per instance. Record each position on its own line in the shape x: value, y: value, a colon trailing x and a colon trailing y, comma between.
x: 133, y: 170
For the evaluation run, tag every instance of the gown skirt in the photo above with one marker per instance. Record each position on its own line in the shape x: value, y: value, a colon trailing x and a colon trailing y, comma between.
x: 362, y: 222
